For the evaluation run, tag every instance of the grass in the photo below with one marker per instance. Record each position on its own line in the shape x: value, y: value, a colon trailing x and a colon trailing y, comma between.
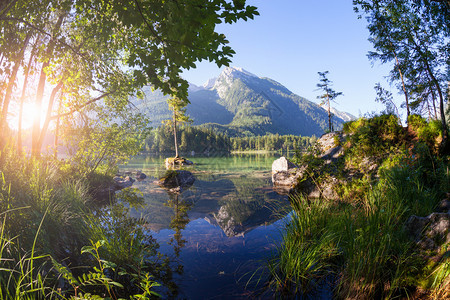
x: 47, y: 217
x: 307, y: 254
x: 361, y: 240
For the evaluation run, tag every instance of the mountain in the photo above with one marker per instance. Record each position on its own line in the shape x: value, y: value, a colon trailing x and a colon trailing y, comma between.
x: 340, y: 114
x: 241, y: 103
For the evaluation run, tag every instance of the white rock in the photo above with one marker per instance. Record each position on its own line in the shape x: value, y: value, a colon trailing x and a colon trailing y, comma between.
x: 282, y: 164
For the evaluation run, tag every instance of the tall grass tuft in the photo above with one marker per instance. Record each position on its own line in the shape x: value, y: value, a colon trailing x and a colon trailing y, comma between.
x: 364, y: 245
x: 308, y: 250
x: 45, y: 219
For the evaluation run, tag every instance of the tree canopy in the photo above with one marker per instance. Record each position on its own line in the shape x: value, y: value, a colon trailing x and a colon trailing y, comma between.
x: 414, y: 35
x: 78, y: 52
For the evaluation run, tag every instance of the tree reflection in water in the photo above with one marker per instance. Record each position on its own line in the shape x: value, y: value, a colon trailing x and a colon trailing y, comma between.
x: 178, y: 222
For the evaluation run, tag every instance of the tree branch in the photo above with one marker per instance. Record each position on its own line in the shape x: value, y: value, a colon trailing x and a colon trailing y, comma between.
x: 80, y: 107
x: 43, y: 32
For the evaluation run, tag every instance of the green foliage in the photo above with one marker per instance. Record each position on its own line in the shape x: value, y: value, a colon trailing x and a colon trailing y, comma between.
x: 100, y: 145
x: 197, y: 139
x: 412, y: 36
x: 439, y: 278
x: 90, y: 51
x: 373, y: 137
x: 205, y: 140
x: 308, y: 250
x: 365, y: 232
x: 97, y: 277
x: 428, y: 132
x: 272, y: 142
x: 45, y: 217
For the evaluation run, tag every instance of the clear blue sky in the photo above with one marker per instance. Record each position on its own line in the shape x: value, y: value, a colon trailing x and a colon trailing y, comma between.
x: 292, y: 40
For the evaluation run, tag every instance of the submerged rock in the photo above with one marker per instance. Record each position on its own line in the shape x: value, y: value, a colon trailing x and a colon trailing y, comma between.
x: 118, y: 183
x: 140, y: 175
x: 175, y: 179
x: 123, y: 182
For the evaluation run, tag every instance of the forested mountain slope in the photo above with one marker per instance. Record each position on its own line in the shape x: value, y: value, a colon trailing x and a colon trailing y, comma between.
x: 241, y: 103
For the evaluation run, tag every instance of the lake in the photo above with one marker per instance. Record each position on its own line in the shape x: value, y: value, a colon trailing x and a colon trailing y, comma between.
x: 221, y: 229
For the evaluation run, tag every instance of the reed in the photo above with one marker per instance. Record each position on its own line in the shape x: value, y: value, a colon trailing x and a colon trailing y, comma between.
x: 364, y: 245
x: 308, y: 250
x: 45, y: 219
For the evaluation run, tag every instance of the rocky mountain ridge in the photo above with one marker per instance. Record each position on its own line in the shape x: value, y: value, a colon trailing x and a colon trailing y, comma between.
x: 240, y: 103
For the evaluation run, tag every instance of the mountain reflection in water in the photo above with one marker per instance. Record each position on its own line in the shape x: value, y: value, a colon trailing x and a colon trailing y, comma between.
x: 219, y: 230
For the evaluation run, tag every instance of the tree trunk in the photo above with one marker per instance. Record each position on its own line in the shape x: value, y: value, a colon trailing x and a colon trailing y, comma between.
x: 403, y: 86
x: 5, y: 6
x: 48, y: 115
x: 22, y: 99
x: 9, y: 88
x: 58, y: 120
x: 433, y: 95
x: 329, y: 113
x: 175, y: 133
x: 444, y: 144
x: 36, y: 132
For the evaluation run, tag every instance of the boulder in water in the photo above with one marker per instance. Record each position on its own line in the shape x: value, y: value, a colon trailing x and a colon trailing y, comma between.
x: 140, y: 175
x: 177, y: 178
x: 123, y: 182
x: 284, y: 172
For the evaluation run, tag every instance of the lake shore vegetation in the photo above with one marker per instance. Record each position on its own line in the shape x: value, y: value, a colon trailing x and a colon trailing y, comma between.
x: 361, y: 242
x: 71, y: 67
x: 204, y: 140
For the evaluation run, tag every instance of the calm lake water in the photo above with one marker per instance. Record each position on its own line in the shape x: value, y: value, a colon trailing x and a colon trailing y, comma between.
x: 221, y: 229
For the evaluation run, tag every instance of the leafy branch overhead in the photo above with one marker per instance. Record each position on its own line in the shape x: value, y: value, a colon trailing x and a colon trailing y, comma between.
x: 80, y: 50
x: 413, y: 36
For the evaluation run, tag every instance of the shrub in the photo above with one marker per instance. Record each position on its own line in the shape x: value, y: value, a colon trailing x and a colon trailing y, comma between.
x: 428, y: 132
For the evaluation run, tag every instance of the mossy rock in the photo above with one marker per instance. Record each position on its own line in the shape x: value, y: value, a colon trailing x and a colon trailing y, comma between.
x: 177, y: 178
x: 171, y: 162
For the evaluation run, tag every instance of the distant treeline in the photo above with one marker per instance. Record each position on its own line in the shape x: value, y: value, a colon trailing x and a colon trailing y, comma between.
x: 205, y: 140
x: 272, y: 142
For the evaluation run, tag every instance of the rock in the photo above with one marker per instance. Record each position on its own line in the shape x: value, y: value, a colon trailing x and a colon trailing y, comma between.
x: 121, y: 183
x: 326, y: 189
x: 331, y: 146
x: 140, y: 175
x: 177, y: 178
x: 176, y: 190
x: 444, y: 206
x: 172, y: 162
x: 282, y: 164
x: 284, y: 172
x: 286, y: 178
x: 431, y: 231
x: 104, y: 195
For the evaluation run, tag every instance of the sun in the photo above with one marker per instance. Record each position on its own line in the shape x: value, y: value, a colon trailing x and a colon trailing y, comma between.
x: 28, y: 115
